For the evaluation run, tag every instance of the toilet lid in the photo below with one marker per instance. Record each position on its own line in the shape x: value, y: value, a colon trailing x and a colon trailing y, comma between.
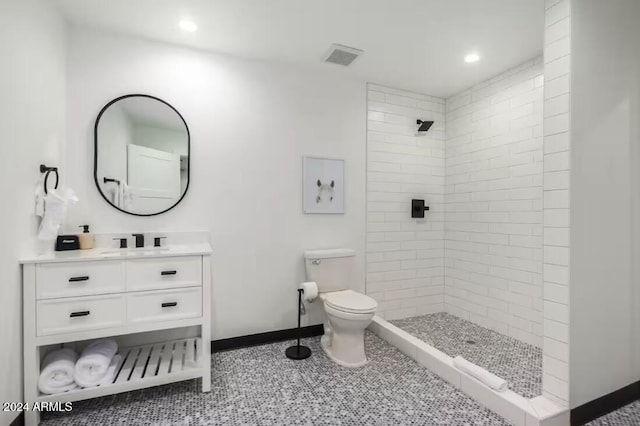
x: 350, y: 301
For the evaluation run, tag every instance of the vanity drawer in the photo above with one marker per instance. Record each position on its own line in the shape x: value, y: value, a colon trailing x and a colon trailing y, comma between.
x: 164, y: 273
x: 56, y: 316
x: 55, y: 280
x: 164, y: 305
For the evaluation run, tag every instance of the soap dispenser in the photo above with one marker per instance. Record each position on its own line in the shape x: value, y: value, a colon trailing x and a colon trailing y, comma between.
x: 86, y: 239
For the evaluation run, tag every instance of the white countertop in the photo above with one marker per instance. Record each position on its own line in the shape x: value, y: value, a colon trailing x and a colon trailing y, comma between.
x: 105, y: 253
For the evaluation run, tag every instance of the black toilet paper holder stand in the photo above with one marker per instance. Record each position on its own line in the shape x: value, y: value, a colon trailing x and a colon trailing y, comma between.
x: 297, y: 351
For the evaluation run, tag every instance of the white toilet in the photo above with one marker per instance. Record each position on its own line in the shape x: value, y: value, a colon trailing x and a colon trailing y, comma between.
x: 347, y: 312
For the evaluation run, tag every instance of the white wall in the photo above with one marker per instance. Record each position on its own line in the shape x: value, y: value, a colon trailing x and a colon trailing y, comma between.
x: 405, y: 256
x: 605, y: 196
x: 251, y: 123
x: 160, y: 138
x: 32, y: 81
x: 493, y: 203
x: 557, y: 75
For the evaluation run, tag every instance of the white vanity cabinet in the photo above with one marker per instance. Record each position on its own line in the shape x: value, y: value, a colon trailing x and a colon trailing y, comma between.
x: 72, y: 298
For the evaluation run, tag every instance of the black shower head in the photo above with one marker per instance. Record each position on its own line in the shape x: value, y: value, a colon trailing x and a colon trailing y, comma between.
x: 424, y: 125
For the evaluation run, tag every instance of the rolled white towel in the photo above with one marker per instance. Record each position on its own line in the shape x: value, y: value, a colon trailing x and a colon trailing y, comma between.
x: 489, y: 379
x: 93, y: 365
x: 57, y: 371
x: 111, y: 371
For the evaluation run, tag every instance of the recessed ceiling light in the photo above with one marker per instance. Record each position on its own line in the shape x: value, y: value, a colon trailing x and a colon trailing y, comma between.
x: 188, y: 26
x: 471, y: 58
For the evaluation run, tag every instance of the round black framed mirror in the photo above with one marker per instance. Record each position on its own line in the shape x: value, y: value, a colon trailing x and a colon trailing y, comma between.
x: 142, y: 155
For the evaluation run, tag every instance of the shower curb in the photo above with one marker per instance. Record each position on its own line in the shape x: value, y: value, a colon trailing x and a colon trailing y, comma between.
x: 521, y: 411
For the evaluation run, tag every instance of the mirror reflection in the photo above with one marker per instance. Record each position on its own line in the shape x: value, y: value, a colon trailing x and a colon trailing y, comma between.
x: 142, y: 155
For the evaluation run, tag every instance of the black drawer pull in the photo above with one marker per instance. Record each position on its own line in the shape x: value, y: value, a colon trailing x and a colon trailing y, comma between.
x: 76, y: 279
x: 168, y: 272
x: 169, y: 304
x: 79, y: 314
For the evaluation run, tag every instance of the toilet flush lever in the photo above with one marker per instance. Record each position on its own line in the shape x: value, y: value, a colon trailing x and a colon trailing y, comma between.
x: 315, y: 262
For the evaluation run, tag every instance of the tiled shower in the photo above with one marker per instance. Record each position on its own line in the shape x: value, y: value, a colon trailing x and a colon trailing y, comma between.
x: 493, y: 196
x: 405, y: 256
x: 473, y: 267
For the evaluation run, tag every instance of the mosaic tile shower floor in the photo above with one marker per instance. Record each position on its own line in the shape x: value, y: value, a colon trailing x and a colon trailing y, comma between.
x: 259, y: 386
x: 517, y: 362
x: 629, y: 415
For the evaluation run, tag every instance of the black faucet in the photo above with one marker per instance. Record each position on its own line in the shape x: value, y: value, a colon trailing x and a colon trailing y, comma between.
x: 123, y: 242
x: 139, y: 240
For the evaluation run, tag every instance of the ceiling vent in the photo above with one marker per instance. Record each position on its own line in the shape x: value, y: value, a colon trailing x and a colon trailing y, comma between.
x: 342, y: 55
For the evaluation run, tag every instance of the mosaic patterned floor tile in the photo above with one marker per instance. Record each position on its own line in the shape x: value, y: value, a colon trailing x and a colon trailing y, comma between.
x: 515, y: 361
x: 629, y: 415
x: 260, y: 386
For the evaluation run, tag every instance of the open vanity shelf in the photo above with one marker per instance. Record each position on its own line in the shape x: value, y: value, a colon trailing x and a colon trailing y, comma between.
x: 144, y: 366
x: 155, y: 303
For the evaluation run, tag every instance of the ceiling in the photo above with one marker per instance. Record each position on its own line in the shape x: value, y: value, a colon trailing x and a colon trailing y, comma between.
x: 417, y: 45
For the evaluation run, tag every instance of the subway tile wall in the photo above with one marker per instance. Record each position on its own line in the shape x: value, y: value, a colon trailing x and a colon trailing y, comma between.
x: 493, y: 203
x: 555, y: 350
x: 499, y: 196
x: 405, y: 256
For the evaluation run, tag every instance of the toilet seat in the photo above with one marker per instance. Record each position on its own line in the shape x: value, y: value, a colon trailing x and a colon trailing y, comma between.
x: 349, y: 301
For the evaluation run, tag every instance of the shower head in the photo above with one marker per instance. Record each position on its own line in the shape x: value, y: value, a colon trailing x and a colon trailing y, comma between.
x: 424, y: 125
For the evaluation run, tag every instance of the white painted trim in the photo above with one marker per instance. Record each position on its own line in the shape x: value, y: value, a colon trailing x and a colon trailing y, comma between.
x: 206, y: 323
x: 31, y: 351
x: 520, y: 411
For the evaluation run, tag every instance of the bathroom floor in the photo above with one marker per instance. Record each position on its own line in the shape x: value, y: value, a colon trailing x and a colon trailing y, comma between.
x: 259, y: 385
x: 515, y: 361
x: 629, y: 415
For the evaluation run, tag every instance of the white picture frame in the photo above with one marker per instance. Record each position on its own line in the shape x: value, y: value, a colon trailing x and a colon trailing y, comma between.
x: 322, y: 185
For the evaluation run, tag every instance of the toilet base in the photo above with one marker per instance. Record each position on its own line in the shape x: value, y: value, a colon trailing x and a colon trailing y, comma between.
x: 325, y: 342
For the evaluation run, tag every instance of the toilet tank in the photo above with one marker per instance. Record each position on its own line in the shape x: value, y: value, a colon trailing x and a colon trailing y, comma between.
x: 332, y: 269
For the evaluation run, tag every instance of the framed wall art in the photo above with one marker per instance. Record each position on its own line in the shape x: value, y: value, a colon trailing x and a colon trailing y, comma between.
x: 322, y: 185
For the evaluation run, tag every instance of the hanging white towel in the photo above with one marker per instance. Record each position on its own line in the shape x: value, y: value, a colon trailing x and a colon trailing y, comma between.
x: 491, y: 380
x: 57, y: 372
x: 39, y: 201
x: 93, y: 365
x: 116, y: 196
x: 113, y: 190
x: 55, y: 211
x: 119, y: 194
x: 127, y: 196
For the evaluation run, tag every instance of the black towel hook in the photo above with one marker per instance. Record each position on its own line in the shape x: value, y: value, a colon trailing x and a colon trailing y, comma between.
x: 48, y: 170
